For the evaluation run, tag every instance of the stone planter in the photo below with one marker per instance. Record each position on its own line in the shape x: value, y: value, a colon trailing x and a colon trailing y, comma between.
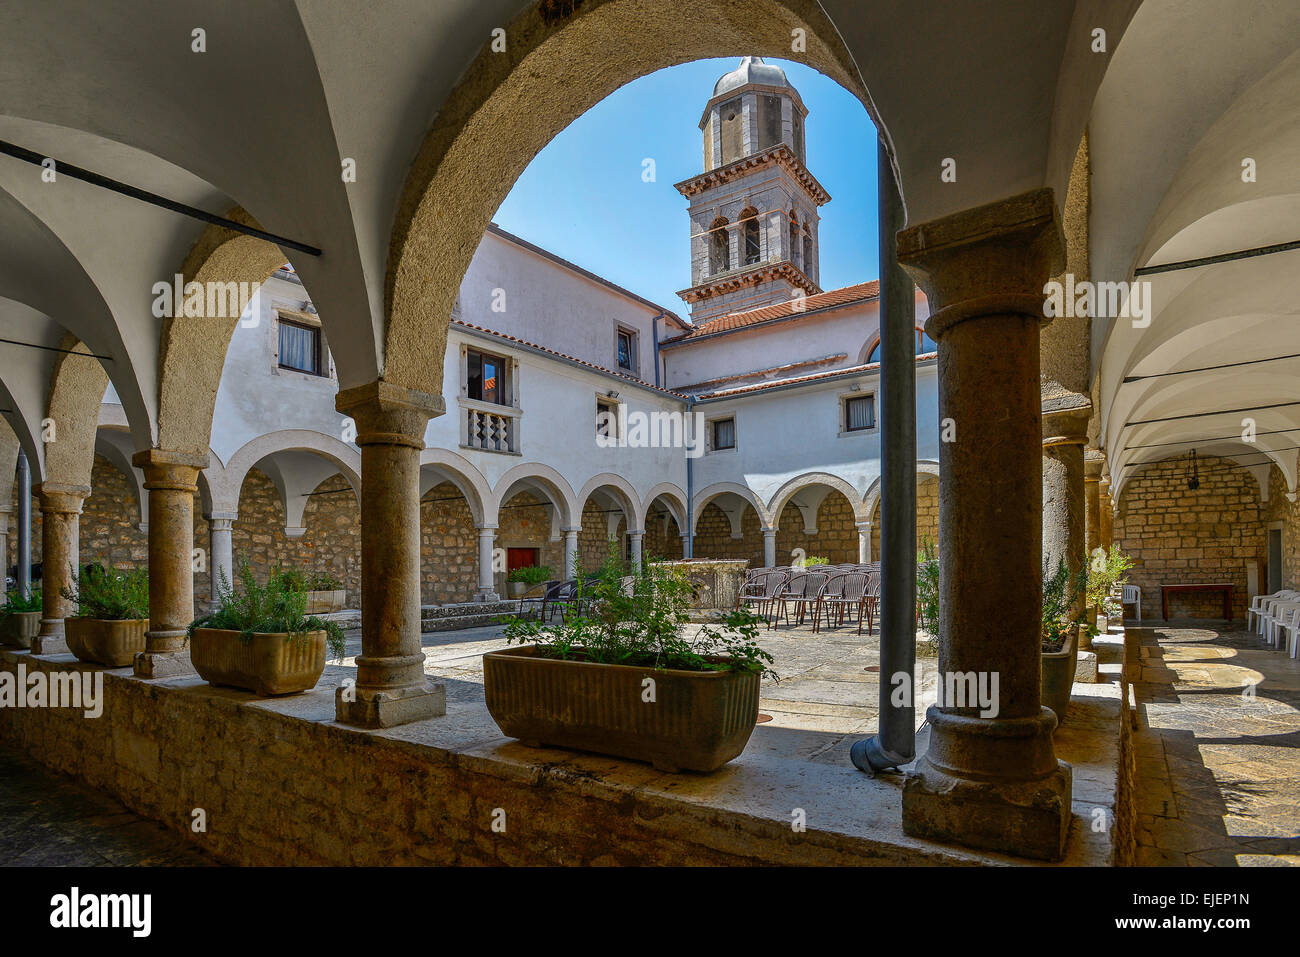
x: 715, y: 582
x: 20, y: 628
x: 699, y: 720
x: 325, y: 602
x: 267, y: 664
x: 1058, y: 676
x: 516, y: 589
x: 102, y: 642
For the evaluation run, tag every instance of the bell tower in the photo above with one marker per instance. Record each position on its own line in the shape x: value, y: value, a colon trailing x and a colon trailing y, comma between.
x: 753, y: 211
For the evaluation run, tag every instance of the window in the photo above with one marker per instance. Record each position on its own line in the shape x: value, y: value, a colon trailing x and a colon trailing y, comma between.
x: 752, y: 247
x: 486, y: 378
x: 299, y: 347
x: 606, y: 419
x: 859, y: 413
x: 627, y: 350
x: 724, y: 433
x: 719, y: 248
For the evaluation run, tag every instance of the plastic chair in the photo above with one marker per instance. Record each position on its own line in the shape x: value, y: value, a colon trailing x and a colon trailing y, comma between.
x: 1132, y: 595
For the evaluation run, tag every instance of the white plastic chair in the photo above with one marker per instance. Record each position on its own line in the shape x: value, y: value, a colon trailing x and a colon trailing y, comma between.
x: 1133, y: 596
x: 1275, y: 611
x: 1259, y: 605
x: 1291, y: 625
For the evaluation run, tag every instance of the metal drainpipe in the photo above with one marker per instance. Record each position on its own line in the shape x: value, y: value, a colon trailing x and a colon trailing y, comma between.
x: 654, y: 326
x: 894, y: 743
x: 24, y: 526
x: 688, y: 550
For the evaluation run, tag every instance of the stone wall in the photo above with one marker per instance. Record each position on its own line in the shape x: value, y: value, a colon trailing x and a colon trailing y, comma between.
x: 659, y: 543
x: 525, y: 522
x: 1178, y: 535
x: 281, y: 784
x: 927, y: 516
x: 593, y: 540
x: 1282, y: 511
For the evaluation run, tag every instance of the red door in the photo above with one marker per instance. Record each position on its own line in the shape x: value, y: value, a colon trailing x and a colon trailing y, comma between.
x: 520, y: 558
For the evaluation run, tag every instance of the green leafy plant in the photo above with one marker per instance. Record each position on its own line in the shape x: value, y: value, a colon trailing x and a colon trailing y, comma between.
x: 278, y: 607
x: 320, y: 581
x: 110, y: 595
x: 15, y: 603
x: 531, y: 574
x: 1105, y: 571
x: 639, y: 617
x: 810, y: 561
x: 1061, y: 590
x: 927, y: 586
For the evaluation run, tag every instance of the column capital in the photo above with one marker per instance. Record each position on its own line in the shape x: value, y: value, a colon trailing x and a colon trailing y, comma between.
x: 486, y: 530
x: 167, y: 469
x: 768, y: 532
x: 864, y: 526
x: 226, y: 517
x: 1094, y: 460
x: 571, y: 529
x: 989, y: 260
x: 636, y: 533
x: 57, y: 498
x: 388, y: 414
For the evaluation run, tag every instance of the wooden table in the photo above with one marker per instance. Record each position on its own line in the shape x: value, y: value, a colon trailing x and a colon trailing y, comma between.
x: 1225, y: 587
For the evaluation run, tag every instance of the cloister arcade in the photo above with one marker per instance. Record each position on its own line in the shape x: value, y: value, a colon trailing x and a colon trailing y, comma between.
x: 1107, y: 166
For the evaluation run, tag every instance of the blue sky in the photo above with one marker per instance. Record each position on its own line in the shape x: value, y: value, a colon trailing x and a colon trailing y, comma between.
x: 583, y: 197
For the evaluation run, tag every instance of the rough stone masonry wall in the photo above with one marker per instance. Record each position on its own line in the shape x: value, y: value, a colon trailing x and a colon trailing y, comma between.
x: 283, y: 790
x: 1287, y: 513
x: 836, y: 538
x: 1178, y: 535
x: 927, y: 516
x: 593, y: 540
x: 659, y: 543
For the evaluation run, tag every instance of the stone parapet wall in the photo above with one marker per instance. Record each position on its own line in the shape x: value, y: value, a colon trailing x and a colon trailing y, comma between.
x: 279, y: 787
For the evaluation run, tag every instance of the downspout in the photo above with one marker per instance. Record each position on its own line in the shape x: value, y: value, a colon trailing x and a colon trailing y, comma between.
x: 894, y: 743
x: 688, y: 543
x: 24, y: 526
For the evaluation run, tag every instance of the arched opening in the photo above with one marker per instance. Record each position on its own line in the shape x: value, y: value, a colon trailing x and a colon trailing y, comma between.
x: 719, y: 247
x: 753, y: 250
x: 927, y: 514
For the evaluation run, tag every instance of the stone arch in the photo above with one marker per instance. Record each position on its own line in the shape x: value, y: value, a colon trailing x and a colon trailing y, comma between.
x: 446, y: 466
x: 225, y: 484
x: 508, y: 107
x: 192, y: 353
x: 77, y: 389
x: 707, y: 495
x: 546, y: 479
x: 621, y: 490
x: 674, y: 498
x: 810, y: 479
x: 872, y: 497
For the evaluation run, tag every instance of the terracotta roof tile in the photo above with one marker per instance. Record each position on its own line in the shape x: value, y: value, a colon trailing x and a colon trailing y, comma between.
x: 862, y: 292
x: 799, y: 380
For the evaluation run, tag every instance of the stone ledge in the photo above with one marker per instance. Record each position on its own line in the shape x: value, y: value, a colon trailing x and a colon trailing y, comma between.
x: 288, y: 785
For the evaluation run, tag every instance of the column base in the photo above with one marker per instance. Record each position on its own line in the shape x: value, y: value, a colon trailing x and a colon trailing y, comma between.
x: 163, y: 664
x: 389, y: 707
x: 991, y: 784
x: 50, y: 645
x: 487, y: 596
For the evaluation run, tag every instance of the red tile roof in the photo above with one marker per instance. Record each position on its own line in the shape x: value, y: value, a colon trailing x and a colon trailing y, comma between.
x: 799, y: 380
x: 862, y: 292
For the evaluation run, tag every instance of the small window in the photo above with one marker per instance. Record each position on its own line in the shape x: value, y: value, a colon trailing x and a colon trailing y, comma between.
x: 753, y: 248
x: 859, y: 413
x: 606, y: 419
x: 724, y: 434
x: 486, y: 378
x: 627, y: 350
x: 299, y: 347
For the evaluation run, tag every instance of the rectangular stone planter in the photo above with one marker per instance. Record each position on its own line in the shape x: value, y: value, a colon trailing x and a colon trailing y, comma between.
x: 20, y: 628
x: 325, y: 602
x: 102, y: 642
x: 1058, y: 676
x: 698, y: 720
x: 267, y: 664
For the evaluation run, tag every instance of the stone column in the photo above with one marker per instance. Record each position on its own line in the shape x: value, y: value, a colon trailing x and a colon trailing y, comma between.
x: 571, y: 551
x: 172, y: 479
x: 635, y: 540
x: 5, y: 512
x: 864, y: 542
x: 60, y: 560
x: 487, y: 535
x: 221, y: 552
x: 1107, y: 508
x: 391, y: 687
x: 990, y: 778
x: 1092, y: 463
x: 769, y: 547
x: 1064, y: 435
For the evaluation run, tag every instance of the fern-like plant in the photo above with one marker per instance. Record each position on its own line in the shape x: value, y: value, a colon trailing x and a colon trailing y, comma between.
x: 108, y: 594
x: 927, y: 586
x: 278, y: 607
x: 16, y: 603
x: 1061, y: 590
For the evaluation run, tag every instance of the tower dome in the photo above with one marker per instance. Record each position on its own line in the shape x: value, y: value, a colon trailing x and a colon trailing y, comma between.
x: 752, y: 69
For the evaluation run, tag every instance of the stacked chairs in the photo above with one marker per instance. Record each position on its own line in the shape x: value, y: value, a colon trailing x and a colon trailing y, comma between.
x: 1261, y: 607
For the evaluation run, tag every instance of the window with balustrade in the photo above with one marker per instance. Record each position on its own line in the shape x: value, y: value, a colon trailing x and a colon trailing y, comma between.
x: 489, y: 407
